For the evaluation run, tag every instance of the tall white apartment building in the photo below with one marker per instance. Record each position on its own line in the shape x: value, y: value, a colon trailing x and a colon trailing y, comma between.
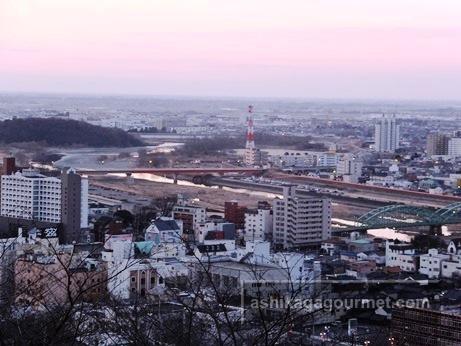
x: 258, y: 223
x: 29, y: 195
x: 387, y: 134
x: 32, y: 196
x: 454, y: 147
x: 300, y: 221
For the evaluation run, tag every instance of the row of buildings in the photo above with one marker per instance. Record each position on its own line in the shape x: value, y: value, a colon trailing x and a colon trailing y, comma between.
x: 442, y: 144
x: 290, y: 222
x: 29, y: 197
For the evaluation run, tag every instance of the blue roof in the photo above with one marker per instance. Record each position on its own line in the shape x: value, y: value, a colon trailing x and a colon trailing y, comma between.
x: 144, y: 247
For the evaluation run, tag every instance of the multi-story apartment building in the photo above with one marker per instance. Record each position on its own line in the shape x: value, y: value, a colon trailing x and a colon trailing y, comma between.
x: 255, y: 157
x: 349, y: 167
x: 437, y: 264
x: 329, y: 159
x: 31, y: 196
x: 235, y: 213
x: 190, y: 215
x: 418, y: 326
x: 258, y: 222
x: 430, y: 264
x: 74, y: 205
x: 292, y: 159
x: 454, y: 147
x: 401, y: 255
x: 300, y: 221
x: 437, y: 144
x: 387, y: 134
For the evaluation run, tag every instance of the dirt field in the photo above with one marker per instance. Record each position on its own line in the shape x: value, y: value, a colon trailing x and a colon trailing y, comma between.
x: 213, y: 198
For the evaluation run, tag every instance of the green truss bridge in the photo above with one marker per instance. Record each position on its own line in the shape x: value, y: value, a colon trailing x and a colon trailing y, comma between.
x: 399, y: 216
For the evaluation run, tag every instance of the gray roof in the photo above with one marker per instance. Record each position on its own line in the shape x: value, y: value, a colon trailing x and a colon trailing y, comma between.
x: 166, y: 225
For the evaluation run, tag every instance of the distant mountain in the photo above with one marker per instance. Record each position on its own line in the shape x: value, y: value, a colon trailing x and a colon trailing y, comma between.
x: 63, y: 132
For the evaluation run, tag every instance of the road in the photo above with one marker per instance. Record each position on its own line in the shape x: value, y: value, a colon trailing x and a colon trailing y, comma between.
x: 277, y: 189
x: 375, y: 193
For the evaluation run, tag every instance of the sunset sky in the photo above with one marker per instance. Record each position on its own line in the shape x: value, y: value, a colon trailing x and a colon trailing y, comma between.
x: 404, y: 49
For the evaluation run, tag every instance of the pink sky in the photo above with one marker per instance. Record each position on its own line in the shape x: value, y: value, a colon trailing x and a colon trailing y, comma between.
x: 298, y: 48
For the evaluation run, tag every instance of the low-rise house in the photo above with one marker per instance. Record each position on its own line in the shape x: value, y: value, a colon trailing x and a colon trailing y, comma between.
x: 360, y: 269
x: 164, y: 230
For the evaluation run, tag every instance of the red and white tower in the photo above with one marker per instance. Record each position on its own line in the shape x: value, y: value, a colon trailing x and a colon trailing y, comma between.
x: 250, y: 131
x: 252, y: 157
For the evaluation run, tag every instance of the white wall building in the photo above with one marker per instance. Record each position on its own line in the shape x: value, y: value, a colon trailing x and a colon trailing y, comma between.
x: 258, y: 224
x: 327, y: 160
x: 292, y: 159
x: 454, y: 147
x: 32, y: 196
x: 164, y: 230
x: 451, y: 267
x: 446, y: 265
x: 387, y: 134
x: 300, y: 221
x: 401, y: 255
x: 254, y: 157
x: 430, y: 264
x: 378, y: 180
x: 190, y: 215
x: 349, y: 167
x: 84, y: 206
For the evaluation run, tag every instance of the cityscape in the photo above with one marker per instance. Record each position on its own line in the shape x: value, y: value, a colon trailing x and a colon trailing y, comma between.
x: 235, y: 217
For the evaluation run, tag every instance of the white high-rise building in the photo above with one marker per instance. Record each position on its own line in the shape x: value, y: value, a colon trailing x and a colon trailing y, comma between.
x: 454, y: 147
x: 300, y: 221
x: 258, y: 223
x: 387, y: 134
x: 32, y: 196
x: 84, y: 209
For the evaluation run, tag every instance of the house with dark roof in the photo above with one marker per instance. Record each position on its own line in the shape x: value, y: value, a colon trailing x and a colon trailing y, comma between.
x: 164, y: 230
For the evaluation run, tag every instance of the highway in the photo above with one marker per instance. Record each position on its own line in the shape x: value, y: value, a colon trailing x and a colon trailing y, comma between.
x: 277, y: 189
x: 376, y: 193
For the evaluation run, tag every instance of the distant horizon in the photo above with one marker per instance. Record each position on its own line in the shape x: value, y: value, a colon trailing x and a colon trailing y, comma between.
x: 225, y: 97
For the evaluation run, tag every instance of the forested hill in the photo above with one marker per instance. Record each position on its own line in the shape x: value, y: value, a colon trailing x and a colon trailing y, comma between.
x: 63, y: 132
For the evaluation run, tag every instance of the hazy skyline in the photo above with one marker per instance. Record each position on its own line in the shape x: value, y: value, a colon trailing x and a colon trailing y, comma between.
x: 403, y: 49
